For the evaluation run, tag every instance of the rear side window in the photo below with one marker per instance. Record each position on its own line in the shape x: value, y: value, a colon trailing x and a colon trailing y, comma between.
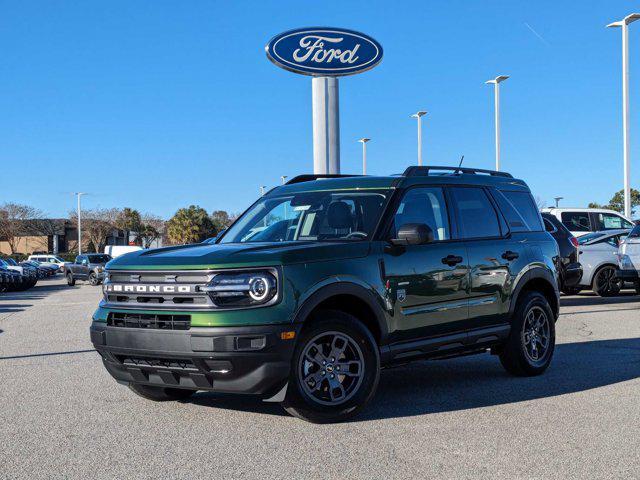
x: 610, y: 221
x: 526, y: 207
x: 576, y: 221
x: 477, y: 216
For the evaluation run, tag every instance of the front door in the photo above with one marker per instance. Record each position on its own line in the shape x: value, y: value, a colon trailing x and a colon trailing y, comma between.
x: 426, y: 284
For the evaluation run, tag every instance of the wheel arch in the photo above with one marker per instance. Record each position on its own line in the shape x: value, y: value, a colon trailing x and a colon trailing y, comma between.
x: 351, y: 298
x: 539, y: 280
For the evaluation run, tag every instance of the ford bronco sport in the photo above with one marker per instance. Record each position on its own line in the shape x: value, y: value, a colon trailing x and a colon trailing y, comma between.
x: 325, y: 280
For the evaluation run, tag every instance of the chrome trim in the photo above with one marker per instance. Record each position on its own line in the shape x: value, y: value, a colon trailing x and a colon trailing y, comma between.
x: 431, y: 308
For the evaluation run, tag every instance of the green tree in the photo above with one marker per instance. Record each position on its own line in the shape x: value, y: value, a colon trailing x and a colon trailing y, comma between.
x: 221, y: 220
x: 617, y: 202
x: 189, y: 225
x: 129, y: 219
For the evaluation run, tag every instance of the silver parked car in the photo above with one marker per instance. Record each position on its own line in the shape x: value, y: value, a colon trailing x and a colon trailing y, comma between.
x: 629, y: 258
x: 599, y: 259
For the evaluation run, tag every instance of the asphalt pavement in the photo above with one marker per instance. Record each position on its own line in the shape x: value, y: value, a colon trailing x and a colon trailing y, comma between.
x: 63, y: 416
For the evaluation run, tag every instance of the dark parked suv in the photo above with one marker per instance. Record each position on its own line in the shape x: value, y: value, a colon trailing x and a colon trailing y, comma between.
x: 325, y: 280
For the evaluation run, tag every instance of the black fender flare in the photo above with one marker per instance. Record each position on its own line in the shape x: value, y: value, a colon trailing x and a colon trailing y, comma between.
x: 346, y: 288
x: 535, y: 273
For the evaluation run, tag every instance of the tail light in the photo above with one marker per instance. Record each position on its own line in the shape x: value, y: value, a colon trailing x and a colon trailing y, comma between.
x: 574, y: 241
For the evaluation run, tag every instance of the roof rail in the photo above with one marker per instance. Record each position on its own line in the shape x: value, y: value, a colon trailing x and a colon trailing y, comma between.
x: 309, y: 177
x: 424, y: 171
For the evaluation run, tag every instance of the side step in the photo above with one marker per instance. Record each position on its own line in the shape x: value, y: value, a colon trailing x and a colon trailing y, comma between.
x: 444, y: 346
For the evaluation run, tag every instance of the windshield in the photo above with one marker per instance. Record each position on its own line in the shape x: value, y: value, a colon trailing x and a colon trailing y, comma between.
x: 588, y: 237
x: 98, y: 258
x: 310, y: 216
x: 635, y: 233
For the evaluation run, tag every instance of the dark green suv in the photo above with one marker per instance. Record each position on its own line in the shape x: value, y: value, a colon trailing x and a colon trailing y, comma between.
x: 325, y: 280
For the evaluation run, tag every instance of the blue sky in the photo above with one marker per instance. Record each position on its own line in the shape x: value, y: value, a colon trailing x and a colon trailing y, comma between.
x: 157, y: 104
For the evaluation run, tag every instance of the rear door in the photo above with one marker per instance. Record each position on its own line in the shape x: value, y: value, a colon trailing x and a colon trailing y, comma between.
x: 495, y: 256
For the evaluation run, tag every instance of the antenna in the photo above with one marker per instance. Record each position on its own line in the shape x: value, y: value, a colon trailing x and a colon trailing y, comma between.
x: 461, y: 160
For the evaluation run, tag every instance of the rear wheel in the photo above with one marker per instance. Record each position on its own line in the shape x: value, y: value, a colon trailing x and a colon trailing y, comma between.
x: 160, y: 394
x: 335, y: 369
x: 532, y: 339
x: 93, y: 279
x: 605, y: 282
x: 70, y: 280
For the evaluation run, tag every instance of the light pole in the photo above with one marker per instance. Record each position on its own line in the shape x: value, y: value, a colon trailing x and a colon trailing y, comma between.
x: 624, y: 23
x: 364, y: 154
x: 496, y: 88
x: 419, y: 114
x: 557, y: 200
x: 79, y: 194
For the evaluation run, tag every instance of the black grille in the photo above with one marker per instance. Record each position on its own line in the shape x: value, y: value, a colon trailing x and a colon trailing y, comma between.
x: 155, y: 363
x: 149, y: 321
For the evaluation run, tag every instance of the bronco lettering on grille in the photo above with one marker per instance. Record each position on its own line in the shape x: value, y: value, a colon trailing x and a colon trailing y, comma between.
x: 149, y: 288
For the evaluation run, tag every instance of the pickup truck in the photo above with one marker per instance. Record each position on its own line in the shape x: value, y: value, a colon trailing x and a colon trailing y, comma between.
x: 87, y: 267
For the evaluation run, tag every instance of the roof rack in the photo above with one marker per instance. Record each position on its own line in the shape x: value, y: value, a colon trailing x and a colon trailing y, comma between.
x: 309, y: 177
x: 424, y: 171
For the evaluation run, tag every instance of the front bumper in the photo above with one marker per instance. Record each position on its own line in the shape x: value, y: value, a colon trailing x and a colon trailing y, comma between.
x: 249, y: 360
x: 628, y: 275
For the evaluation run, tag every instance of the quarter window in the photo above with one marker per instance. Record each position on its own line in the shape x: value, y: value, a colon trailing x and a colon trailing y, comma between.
x: 427, y: 206
x: 526, y: 207
x: 476, y: 213
x: 576, y: 221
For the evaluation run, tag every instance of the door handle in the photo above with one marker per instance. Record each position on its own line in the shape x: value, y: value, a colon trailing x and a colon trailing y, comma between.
x: 509, y: 255
x: 452, y: 260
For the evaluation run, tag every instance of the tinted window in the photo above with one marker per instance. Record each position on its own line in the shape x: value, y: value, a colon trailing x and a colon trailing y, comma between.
x: 526, y: 207
x: 427, y: 206
x: 635, y: 233
x: 99, y: 258
x: 610, y: 221
x: 549, y: 227
x: 516, y: 222
x: 476, y: 213
x: 589, y: 237
x: 576, y: 221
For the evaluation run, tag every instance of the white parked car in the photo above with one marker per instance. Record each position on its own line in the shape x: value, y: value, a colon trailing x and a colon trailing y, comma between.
x: 599, y: 259
x: 629, y: 258
x: 48, y: 259
x: 581, y: 221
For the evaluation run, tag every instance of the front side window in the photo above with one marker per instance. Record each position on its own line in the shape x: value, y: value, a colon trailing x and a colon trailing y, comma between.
x: 610, y: 221
x: 310, y: 216
x: 576, y: 221
x: 423, y: 205
x: 476, y: 213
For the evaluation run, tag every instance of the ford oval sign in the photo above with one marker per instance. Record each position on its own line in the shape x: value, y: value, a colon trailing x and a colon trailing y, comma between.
x: 322, y: 51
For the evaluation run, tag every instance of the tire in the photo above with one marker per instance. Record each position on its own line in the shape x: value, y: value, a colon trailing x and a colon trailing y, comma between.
x: 571, y: 290
x: 70, y: 280
x: 93, y: 279
x: 326, y: 397
x: 518, y: 356
x: 604, y: 282
x: 160, y: 394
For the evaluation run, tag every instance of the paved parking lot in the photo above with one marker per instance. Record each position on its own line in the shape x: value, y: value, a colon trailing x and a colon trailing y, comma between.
x: 62, y: 416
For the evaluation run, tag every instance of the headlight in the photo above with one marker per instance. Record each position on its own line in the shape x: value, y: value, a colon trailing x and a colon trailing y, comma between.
x: 243, y: 289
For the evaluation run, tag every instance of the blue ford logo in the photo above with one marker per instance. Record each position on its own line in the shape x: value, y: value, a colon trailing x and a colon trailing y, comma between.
x: 322, y: 51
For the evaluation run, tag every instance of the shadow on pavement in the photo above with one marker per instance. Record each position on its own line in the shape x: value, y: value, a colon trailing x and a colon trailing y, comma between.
x: 478, y: 381
x: 593, y: 299
x: 28, y: 297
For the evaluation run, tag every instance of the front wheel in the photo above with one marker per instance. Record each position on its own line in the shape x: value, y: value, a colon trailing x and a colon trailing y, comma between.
x: 160, y: 394
x: 93, y: 279
x: 335, y: 369
x: 532, y: 339
x: 605, y: 282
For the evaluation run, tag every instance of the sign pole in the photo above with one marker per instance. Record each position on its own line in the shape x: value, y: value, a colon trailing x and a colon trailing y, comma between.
x: 326, y: 125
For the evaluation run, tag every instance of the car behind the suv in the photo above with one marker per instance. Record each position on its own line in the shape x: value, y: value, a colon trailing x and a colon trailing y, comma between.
x: 323, y: 281
x: 87, y: 267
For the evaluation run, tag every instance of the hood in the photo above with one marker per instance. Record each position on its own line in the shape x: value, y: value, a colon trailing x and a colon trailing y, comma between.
x: 233, y: 255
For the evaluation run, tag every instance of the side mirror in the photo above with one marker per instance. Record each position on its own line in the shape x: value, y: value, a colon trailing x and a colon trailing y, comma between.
x: 413, y: 234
